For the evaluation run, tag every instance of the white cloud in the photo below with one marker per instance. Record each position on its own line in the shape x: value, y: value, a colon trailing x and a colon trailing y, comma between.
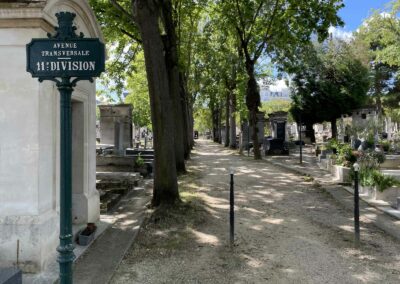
x: 340, y: 34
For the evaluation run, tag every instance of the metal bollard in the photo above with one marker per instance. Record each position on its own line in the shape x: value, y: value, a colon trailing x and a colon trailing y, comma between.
x: 356, y: 167
x: 232, y: 211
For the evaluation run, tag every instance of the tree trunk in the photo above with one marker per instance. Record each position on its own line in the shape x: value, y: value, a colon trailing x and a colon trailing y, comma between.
x: 232, y: 122
x: 220, y: 123
x: 190, y: 102
x: 165, y: 189
x: 184, y: 101
x: 253, y: 102
x: 310, y: 133
x: 334, y: 128
x: 214, y: 112
x: 171, y: 59
x: 191, y: 124
x: 227, y: 127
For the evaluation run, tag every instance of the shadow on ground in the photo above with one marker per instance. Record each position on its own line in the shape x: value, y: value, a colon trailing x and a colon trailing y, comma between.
x: 287, y: 231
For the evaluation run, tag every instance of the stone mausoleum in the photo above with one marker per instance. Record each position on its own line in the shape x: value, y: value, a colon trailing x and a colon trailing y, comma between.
x: 30, y: 138
x: 116, y: 126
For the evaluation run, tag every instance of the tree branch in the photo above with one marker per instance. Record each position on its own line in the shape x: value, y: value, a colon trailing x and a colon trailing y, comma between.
x: 261, y: 47
x: 241, y: 20
x: 132, y: 36
x: 253, y: 21
x: 122, y: 9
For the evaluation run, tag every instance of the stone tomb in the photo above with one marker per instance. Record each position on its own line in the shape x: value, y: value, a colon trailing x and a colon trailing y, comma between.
x: 30, y: 139
x: 116, y: 127
x: 276, y: 145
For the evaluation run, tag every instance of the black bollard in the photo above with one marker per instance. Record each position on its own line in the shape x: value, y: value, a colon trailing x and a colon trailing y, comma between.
x: 232, y: 213
x: 356, y: 206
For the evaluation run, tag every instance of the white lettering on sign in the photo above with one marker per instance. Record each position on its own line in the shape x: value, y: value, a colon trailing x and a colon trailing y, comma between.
x: 63, y: 45
x: 58, y: 53
x: 66, y: 66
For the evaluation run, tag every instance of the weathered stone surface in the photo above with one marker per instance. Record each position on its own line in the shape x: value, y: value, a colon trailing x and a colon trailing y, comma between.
x: 10, y: 276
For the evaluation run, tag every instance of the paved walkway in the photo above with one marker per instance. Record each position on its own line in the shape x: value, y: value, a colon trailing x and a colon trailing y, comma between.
x: 380, y: 213
x: 287, y: 231
x: 98, y: 263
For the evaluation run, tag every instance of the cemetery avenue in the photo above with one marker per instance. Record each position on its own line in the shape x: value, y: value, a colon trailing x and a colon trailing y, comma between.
x: 287, y: 231
x: 199, y: 141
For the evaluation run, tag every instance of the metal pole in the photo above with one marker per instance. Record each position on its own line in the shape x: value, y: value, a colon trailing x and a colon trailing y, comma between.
x: 232, y: 213
x: 301, y: 142
x: 65, y: 249
x: 356, y: 207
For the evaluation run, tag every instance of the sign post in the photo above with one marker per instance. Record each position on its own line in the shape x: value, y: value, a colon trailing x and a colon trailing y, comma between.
x: 65, y: 58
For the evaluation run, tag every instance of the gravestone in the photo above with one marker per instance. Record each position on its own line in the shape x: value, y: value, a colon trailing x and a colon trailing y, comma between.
x: 276, y: 145
x: 116, y: 127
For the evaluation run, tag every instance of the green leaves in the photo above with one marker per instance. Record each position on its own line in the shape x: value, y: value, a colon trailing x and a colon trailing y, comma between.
x: 138, y: 90
x: 328, y: 82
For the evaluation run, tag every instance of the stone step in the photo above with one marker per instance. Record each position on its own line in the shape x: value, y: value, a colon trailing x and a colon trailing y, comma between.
x: 118, y: 176
x: 131, y: 151
x: 111, y: 200
x: 119, y: 190
x: 106, y: 185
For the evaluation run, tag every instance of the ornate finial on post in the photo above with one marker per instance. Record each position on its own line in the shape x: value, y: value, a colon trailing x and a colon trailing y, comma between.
x: 66, y: 28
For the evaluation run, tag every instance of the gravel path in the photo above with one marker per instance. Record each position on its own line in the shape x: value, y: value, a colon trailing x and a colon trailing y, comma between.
x: 287, y: 231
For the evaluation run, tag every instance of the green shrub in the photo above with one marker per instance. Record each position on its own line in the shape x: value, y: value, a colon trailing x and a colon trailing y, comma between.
x: 367, y: 177
x: 139, y: 161
x: 382, y: 181
x: 345, y: 155
x: 385, y: 145
x: 333, y: 145
x: 373, y: 177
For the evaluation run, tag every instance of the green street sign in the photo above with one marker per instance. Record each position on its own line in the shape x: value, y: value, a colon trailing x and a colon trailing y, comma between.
x: 80, y: 57
x: 65, y: 58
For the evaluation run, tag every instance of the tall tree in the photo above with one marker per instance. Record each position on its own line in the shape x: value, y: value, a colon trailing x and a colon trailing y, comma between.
x: 147, y: 15
x: 274, y: 27
x: 140, y: 24
x: 379, y: 41
x: 328, y: 81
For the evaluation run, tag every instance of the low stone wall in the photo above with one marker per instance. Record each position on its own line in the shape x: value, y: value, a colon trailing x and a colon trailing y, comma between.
x: 115, y: 161
x: 341, y: 174
x: 391, y: 162
x: 389, y: 195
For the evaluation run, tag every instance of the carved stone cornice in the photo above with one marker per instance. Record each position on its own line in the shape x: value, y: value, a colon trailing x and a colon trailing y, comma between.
x: 26, y: 23
x: 22, y: 3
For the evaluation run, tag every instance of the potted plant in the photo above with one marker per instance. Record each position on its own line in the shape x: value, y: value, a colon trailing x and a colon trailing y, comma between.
x: 140, y: 166
x: 86, y: 236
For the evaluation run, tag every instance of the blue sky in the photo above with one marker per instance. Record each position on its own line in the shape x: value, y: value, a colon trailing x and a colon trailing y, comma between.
x: 356, y: 11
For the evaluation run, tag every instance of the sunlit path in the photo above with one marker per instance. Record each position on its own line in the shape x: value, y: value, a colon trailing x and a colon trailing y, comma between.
x: 287, y: 231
